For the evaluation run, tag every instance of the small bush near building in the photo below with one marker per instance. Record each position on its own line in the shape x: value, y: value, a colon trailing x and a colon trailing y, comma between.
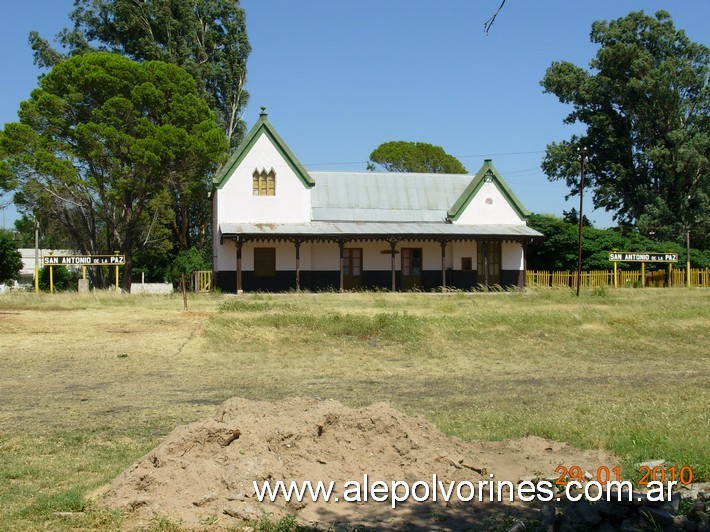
x: 62, y: 279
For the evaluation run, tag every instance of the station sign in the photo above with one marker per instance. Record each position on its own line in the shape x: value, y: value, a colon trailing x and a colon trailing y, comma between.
x: 85, y: 260
x: 617, y: 256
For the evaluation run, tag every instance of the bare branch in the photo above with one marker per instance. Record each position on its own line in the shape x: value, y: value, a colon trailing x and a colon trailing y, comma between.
x: 489, y: 23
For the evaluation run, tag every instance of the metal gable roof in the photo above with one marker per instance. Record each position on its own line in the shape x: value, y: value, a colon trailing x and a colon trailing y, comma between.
x: 387, y: 197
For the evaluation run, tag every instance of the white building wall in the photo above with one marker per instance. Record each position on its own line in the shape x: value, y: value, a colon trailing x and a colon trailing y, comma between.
x: 464, y: 249
x: 237, y: 203
x: 373, y: 259
x: 512, y: 256
x: 489, y: 206
x: 431, y: 254
x: 325, y: 256
x: 285, y: 255
x: 306, y: 256
x: 226, y: 259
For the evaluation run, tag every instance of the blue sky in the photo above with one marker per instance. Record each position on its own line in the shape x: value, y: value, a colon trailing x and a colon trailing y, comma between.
x: 338, y: 78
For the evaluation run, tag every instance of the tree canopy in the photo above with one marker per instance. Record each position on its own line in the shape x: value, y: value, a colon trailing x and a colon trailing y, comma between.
x: 646, y: 107
x: 558, y: 251
x: 10, y: 258
x: 206, y: 37
x: 402, y: 156
x: 103, y: 145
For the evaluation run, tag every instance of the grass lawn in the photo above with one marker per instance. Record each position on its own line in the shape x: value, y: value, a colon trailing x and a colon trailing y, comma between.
x: 88, y: 383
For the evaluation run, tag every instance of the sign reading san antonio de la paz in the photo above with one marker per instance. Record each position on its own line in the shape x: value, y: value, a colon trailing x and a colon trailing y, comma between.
x: 617, y: 256
x: 85, y: 260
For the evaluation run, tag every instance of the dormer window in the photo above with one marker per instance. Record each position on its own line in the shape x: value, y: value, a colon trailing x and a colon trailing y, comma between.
x: 264, y: 183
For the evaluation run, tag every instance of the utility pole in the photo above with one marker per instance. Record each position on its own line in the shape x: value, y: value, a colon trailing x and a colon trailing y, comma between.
x: 582, y: 154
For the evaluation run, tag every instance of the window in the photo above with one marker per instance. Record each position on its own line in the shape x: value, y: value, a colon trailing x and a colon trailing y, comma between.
x: 466, y: 264
x: 264, y: 262
x: 264, y: 183
x: 411, y: 261
x: 352, y: 261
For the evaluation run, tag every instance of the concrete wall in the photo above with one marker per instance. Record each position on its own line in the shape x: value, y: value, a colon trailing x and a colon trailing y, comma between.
x: 151, y: 288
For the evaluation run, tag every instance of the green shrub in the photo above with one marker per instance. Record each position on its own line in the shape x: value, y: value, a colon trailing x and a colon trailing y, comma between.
x: 62, y: 279
x: 188, y: 261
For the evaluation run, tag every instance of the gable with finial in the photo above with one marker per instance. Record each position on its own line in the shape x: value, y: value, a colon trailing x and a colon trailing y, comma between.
x: 488, y: 200
x: 263, y: 181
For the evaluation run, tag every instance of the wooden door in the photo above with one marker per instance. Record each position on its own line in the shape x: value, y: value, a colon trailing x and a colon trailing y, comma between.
x: 352, y: 268
x: 489, y: 263
x: 411, y: 268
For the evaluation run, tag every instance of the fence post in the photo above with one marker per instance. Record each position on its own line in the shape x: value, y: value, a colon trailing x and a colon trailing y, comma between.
x: 184, y: 291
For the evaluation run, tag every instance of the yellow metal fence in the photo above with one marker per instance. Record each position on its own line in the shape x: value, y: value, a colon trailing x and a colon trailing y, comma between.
x: 625, y: 278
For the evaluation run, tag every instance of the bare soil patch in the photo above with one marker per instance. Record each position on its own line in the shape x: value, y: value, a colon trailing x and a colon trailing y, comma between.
x: 201, y: 474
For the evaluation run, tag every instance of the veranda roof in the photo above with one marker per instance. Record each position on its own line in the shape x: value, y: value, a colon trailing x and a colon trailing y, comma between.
x: 377, y: 230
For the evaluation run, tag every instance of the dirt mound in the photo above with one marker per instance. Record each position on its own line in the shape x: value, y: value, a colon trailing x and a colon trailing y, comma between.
x: 202, y: 474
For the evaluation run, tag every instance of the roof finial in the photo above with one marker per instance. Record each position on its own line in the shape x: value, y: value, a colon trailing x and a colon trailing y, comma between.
x: 263, y: 111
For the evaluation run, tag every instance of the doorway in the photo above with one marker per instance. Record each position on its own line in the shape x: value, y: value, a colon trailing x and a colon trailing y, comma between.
x: 489, y: 262
x: 352, y: 268
x: 411, y: 268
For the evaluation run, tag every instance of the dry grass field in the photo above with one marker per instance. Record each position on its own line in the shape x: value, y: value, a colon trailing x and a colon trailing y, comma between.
x: 89, y: 383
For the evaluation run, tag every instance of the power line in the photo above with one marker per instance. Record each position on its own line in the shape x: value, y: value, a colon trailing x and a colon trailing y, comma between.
x: 499, y: 154
x: 504, y: 154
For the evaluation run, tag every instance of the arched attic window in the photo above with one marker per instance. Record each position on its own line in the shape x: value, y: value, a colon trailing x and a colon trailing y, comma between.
x: 264, y: 183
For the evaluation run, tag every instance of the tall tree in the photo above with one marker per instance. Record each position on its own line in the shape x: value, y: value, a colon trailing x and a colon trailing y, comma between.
x: 207, y: 38
x: 646, y: 107
x: 101, y: 144
x: 402, y: 156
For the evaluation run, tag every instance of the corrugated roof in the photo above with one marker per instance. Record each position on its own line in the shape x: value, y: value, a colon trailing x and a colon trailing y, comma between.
x: 381, y: 229
x: 386, y: 197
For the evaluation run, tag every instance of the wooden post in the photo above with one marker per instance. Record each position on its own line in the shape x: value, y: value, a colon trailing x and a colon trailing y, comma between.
x: 297, y: 243
x: 485, y: 264
x: 616, y: 276
x: 239, y: 265
x: 670, y: 274
x: 184, y: 291
x: 643, y: 275
x: 443, y: 265
x: 393, y: 252
x: 341, y: 246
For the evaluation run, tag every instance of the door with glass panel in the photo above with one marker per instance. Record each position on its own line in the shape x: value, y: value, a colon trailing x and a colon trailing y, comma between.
x: 489, y: 254
x: 352, y: 268
x: 411, y: 268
